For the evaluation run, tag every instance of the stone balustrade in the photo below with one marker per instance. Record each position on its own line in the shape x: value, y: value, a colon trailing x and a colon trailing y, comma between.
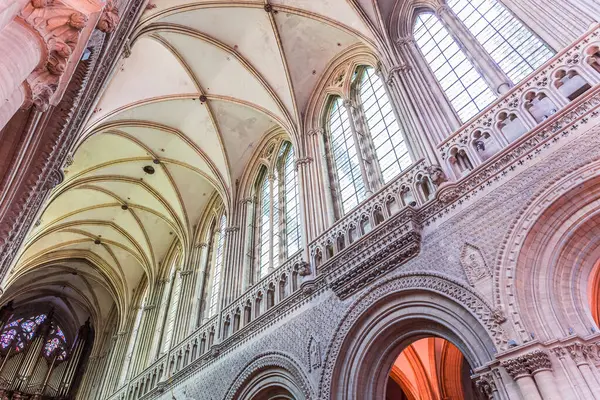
x: 564, y: 79
x: 385, y: 230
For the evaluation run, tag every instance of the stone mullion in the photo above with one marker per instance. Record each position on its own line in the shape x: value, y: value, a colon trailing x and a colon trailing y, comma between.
x: 231, y: 263
x: 437, y: 115
x: 499, y: 82
x: 558, y: 22
x: 370, y: 156
x: 360, y: 148
x: 248, y: 205
x: 159, y: 335
x: 184, y: 308
x: 199, y: 288
x: 333, y: 206
x: 415, y: 147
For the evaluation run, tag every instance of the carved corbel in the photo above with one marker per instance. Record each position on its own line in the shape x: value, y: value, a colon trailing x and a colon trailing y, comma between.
x: 303, y: 268
x: 109, y: 19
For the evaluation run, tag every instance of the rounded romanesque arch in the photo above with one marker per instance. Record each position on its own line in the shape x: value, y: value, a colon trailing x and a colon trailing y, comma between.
x: 547, y: 273
x: 398, y: 311
x: 271, y: 376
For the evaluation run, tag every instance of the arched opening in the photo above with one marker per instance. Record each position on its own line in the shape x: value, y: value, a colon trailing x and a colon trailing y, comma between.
x: 379, y: 328
x: 430, y: 368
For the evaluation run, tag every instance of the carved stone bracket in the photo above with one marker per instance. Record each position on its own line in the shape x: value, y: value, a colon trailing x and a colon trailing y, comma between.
x: 109, y: 19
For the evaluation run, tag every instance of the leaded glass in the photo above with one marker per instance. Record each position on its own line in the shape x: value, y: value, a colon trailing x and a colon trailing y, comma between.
x: 7, y: 337
x: 291, y: 203
x: 386, y: 134
x: 265, y: 226
x: 464, y: 86
x: 351, y: 185
x: 216, y: 280
x: 516, y: 50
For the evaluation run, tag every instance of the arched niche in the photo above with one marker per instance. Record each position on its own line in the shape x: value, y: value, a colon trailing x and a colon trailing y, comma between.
x: 272, y: 376
x: 557, y: 240
x: 392, y: 316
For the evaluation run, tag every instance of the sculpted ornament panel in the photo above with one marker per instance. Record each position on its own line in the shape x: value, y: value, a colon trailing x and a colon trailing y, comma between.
x: 314, y: 354
x: 473, y: 264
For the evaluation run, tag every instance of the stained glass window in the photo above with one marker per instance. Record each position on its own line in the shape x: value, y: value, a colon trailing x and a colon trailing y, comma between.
x: 464, y: 86
x: 387, y: 137
x: 7, y: 337
x: 56, y: 345
x: 516, y: 50
x: 345, y: 158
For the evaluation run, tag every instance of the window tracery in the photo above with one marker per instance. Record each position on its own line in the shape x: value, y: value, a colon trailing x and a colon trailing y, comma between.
x: 450, y: 45
x: 366, y: 143
x: 17, y: 334
x: 56, y: 344
x: 278, y: 209
x: 218, y: 265
x: 516, y: 50
x: 463, y: 84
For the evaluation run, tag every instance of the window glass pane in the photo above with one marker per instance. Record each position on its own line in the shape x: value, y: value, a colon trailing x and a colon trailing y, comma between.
x: 216, y: 279
x: 457, y: 76
x: 264, y: 227
x: 291, y: 203
x: 345, y: 158
x: 516, y: 50
x: 173, y: 304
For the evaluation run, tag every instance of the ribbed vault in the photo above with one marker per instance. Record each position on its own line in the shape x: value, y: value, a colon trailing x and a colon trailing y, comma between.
x: 200, y: 85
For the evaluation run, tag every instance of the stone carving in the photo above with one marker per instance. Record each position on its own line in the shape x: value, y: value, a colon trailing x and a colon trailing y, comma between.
x: 527, y: 364
x: 314, y: 354
x: 303, y: 268
x: 473, y: 264
x: 486, y: 385
x: 109, y: 19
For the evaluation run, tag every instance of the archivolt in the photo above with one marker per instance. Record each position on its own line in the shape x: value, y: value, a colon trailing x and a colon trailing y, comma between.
x: 285, y: 366
x: 401, y: 309
x: 551, y: 240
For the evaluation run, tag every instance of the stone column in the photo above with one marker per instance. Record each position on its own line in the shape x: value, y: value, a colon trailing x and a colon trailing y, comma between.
x: 518, y: 369
x: 541, y: 369
x: 416, y: 82
x: 22, y: 50
x: 200, y: 285
x: 581, y: 354
x: 9, y: 9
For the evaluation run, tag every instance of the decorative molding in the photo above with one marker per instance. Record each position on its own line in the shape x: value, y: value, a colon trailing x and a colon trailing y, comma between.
x: 528, y: 364
x: 265, y: 362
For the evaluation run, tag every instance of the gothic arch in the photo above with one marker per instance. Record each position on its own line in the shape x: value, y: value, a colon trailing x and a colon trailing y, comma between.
x: 386, y: 319
x: 555, y: 238
x: 271, y: 370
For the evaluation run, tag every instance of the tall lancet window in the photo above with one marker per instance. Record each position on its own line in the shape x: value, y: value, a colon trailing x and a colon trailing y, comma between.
x: 278, y: 209
x: 345, y: 157
x: 388, y: 140
x: 365, y: 141
x: 465, y: 87
x: 215, y: 288
x: 175, y: 280
x: 516, y: 50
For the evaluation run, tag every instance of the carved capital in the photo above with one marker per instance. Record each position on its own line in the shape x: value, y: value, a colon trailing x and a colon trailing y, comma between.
x: 186, y: 272
x: 303, y: 161
x: 405, y: 41
x: 41, y: 92
x: 486, y: 385
x: 580, y: 353
x: 516, y: 367
x: 231, y: 229
x: 528, y: 364
x: 442, y: 9
x: 109, y: 19
x: 77, y: 20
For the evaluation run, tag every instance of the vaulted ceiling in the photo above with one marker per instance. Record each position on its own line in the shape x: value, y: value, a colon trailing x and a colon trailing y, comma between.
x: 178, y: 122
